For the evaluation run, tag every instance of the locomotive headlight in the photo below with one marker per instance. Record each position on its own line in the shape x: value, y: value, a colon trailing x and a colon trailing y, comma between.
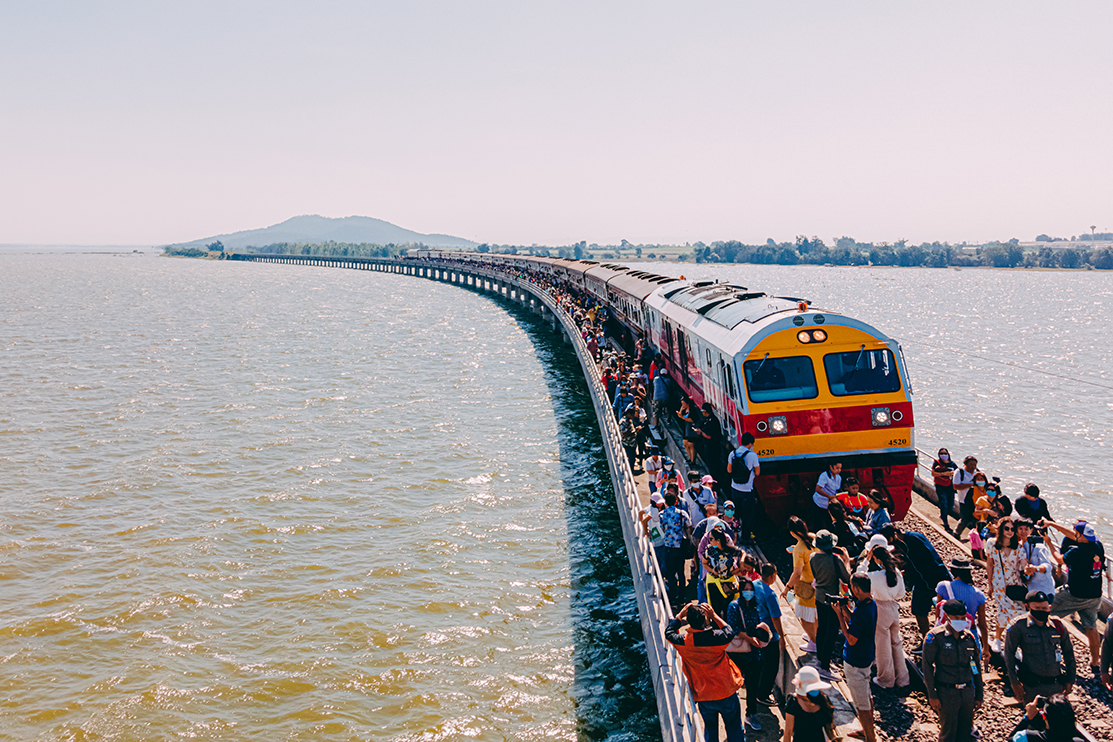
x: 803, y: 337
x: 881, y: 417
x: 819, y: 336
x: 778, y: 425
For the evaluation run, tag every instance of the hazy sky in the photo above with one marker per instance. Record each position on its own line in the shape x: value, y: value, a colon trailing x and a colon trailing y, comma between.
x: 551, y: 122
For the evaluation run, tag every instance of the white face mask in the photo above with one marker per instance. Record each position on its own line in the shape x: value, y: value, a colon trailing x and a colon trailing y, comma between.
x: 959, y: 625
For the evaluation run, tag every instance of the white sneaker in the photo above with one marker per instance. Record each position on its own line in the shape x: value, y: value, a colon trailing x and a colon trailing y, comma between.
x: 753, y: 723
x: 808, y: 646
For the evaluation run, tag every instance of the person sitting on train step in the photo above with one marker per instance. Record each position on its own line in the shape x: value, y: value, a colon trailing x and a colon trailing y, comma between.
x: 923, y: 569
x: 701, y: 637
x: 879, y: 514
x: 852, y: 498
x: 962, y: 588
x: 1047, y: 664
x: 848, y: 531
x: 942, y: 471
x: 1085, y: 564
x: 744, y: 468
x: 1031, y: 505
x: 826, y: 488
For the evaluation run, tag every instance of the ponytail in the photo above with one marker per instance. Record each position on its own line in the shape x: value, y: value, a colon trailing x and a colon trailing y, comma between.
x: 798, y: 529
x: 882, y: 555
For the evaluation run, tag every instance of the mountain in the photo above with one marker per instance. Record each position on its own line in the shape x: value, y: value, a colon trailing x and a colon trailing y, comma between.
x: 355, y: 229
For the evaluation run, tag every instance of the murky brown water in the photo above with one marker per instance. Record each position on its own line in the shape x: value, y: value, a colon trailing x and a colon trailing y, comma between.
x: 246, y: 501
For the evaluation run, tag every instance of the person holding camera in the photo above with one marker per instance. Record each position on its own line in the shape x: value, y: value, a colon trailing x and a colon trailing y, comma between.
x: 1047, y: 666
x: 831, y: 569
x: 701, y: 637
x: 952, y: 667
x: 1031, y: 505
x: 1037, y: 567
x: 859, y: 628
x: 1047, y: 720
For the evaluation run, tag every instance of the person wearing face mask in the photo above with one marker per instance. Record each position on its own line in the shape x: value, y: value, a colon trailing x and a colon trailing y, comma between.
x: 963, y: 482
x: 1047, y: 666
x: 952, y: 667
x: 943, y: 471
x: 809, y: 716
x: 751, y: 634
x: 1032, y: 506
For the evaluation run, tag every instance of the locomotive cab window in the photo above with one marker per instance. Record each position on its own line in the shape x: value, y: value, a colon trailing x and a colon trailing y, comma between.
x: 779, y: 379
x: 862, y: 372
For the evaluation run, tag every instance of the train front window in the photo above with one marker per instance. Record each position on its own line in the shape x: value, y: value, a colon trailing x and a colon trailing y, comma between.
x: 862, y: 372
x: 778, y: 379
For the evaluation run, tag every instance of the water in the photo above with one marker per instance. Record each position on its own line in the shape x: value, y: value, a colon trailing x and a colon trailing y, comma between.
x: 245, y: 501
x: 1011, y: 366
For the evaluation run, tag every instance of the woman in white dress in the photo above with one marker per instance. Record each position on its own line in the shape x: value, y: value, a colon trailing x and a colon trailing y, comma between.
x: 1002, y: 563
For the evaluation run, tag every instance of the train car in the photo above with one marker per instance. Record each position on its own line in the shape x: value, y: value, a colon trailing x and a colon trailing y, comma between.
x: 626, y: 295
x: 813, y: 387
x: 596, y: 278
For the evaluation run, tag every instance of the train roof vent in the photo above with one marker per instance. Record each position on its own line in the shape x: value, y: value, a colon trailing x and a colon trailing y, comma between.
x: 726, y: 304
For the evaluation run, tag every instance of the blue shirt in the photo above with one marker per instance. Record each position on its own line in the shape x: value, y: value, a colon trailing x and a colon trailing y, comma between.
x: 768, y: 607
x: 673, y: 521
x: 863, y: 624
x: 876, y: 519
x: 968, y: 594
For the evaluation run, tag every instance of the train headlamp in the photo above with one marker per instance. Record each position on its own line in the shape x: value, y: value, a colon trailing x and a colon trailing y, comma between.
x: 778, y: 425
x: 881, y: 417
x: 811, y: 336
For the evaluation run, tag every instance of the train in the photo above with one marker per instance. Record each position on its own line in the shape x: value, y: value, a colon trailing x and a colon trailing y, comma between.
x: 813, y: 386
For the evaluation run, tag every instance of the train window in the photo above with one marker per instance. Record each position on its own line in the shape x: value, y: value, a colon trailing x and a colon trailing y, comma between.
x: 862, y: 372
x: 778, y: 379
x: 708, y: 351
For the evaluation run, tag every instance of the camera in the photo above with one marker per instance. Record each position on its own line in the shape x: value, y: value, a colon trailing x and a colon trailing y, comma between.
x: 840, y: 600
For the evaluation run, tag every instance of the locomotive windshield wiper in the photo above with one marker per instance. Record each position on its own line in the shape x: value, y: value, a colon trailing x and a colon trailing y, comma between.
x: 763, y: 360
x: 859, y: 358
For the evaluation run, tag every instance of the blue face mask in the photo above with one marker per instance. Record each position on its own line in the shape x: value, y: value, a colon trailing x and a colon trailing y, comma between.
x: 815, y: 694
x: 748, y: 594
x: 728, y: 513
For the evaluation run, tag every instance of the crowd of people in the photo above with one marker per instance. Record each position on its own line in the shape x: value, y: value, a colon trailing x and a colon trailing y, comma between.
x: 852, y: 567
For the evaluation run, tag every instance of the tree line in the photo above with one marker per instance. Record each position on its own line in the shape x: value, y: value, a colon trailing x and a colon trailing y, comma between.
x: 804, y: 251
x: 847, y: 251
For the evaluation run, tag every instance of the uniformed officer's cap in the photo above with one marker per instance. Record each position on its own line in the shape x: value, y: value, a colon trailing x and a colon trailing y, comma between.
x: 954, y: 607
x: 1038, y: 596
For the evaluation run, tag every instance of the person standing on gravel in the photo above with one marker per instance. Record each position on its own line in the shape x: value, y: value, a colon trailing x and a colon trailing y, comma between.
x: 942, y: 471
x: 1047, y: 666
x: 923, y: 570
x: 1085, y: 562
x: 952, y: 667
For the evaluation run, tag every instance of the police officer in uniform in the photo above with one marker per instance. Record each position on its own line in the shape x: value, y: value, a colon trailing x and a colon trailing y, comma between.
x: 1048, y: 666
x: 952, y: 666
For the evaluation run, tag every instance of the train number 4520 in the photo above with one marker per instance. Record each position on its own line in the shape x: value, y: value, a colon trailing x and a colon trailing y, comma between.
x: 898, y: 442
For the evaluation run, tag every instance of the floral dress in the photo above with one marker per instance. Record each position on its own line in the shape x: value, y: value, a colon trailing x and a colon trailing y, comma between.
x: 1006, y: 571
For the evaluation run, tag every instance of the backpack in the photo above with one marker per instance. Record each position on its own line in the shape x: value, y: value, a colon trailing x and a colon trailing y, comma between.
x: 739, y: 472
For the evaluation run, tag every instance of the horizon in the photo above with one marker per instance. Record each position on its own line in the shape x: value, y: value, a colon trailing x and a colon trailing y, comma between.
x: 131, y: 124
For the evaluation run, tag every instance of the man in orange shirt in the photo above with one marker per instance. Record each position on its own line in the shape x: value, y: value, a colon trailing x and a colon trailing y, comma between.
x: 714, y: 679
